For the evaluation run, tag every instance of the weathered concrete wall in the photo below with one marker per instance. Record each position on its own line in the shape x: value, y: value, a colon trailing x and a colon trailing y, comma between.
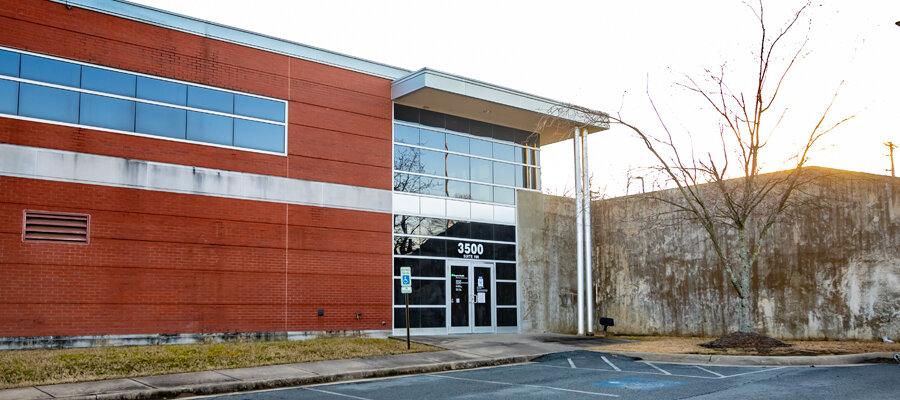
x: 834, y: 272
x: 546, y: 266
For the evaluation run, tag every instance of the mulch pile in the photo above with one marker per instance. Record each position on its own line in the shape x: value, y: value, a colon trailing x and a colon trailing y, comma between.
x: 740, y: 340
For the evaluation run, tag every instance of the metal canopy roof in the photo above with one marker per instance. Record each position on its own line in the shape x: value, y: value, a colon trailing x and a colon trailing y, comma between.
x: 460, y: 96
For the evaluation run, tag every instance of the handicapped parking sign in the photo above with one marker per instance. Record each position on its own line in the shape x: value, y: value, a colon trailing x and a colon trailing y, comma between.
x: 405, y: 280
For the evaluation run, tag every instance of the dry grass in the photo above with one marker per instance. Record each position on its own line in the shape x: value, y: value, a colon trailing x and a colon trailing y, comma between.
x: 690, y: 345
x: 31, y: 367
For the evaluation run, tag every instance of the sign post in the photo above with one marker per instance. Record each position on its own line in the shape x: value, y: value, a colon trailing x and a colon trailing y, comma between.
x: 406, y: 289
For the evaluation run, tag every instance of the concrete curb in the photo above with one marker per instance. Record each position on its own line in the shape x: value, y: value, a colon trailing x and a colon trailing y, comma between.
x: 242, y: 386
x: 843, y: 359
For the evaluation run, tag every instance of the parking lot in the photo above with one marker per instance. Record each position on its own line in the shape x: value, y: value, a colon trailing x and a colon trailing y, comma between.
x: 591, y: 375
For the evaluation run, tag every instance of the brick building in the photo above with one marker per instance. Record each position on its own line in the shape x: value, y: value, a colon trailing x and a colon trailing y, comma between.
x: 163, y: 177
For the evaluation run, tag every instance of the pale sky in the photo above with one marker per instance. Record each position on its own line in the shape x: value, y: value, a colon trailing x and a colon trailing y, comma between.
x: 592, y: 52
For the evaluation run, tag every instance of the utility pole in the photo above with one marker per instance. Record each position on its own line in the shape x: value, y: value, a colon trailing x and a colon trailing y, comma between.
x: 891, y: 146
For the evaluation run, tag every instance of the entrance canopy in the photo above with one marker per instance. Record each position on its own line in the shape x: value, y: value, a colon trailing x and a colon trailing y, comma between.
x: 452, y: 94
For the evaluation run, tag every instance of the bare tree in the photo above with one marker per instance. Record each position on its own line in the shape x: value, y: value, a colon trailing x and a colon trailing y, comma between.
x: 736, y: 214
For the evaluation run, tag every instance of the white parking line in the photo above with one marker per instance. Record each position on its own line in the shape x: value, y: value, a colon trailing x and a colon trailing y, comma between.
x: 336, y: 393
x: 753, y: 372
x: 657, y: 368
x: 712, y: 372
x: 571, y: 364
x: 610, y: 363
x: 526, y: 385
x: 626, y: 372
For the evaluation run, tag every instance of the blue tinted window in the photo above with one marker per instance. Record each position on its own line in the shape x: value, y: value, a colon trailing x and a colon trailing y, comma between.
x: 432, y: 139
x: 48, y: 103
x: 431, y: 162
x: 480, y: 147
x: 482, y: 192
x: 104, y: 80
x: 160, y: 90
x: 51, y: 71
x: 258, y: 135
x: 9, y: 97
x: 504, y: 174
x: 209, y: 99
x: 457, y: 143
x: 9, y: 63
x: 458, y: 190
x: 259, y: 108
x: 481, y: 170
x: 209, y: 128
x: 160, y: 121
x: 504, y: 195
x: 107, y: 112
x: 504, y: 152
x: 457, y: 166
x: 406, y: 134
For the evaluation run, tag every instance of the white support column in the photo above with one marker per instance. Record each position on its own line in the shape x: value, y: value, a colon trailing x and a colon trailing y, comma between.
x: 588, y: 249
x: 579, y: 229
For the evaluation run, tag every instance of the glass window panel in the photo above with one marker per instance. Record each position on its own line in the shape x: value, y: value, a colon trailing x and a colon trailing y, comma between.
x: 433, y: 247
x: 458, y: 190
x: 505, y: 252
x: 482, y: 231
x: 457, y: 143
x: 521, y: 154
x: 479, y: 128
x: 106, y: 112
x: 432, y: 227
x: 431, y: 118
x: 504, y: 195
x: 504, y: 174
x: 420, y: 267
x: 504, y: 152
x: 9, y: 63
x: 459, y: 229
x: 9, y: 97
x: 50, y: 71
x: 210, y: 128
x: 506, y: 316
x: 432, y: 162
x: 532, y: 156
x: 457, y: 124
x: 420, y: 317
x: 478, y: 147
x: 506, y: 294
x: 505, y: 233
x: 406, y: 134
x: 419, y: 184
x: 210, y: 99
x: 104, y: 80
x: 258, y: 135
x: 424, y: 292
x: 482, y: 192
x: 533, y: 178
x: 407, y: 245
x: 48, y: 103
x: 404, y: 113
x: 481, y: 170
x: 521, y: 172
x: 160, y: 121
x: 407, y: 159
x: 406, y: 224
x: 506, y: 271
x: 259, y: 108
x: 432, y: 139
x: 162, y: 91
x: 457, y: 166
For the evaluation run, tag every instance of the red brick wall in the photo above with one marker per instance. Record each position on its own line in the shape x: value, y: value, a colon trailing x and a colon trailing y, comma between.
x: 340, y: 127
x: 172, y: 263
x: 175, y: 263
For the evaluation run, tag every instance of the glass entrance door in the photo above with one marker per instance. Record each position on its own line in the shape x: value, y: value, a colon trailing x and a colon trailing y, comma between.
x: 471, y: 297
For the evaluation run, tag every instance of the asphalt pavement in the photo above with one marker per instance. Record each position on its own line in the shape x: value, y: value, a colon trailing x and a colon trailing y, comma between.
x: 591, y: 375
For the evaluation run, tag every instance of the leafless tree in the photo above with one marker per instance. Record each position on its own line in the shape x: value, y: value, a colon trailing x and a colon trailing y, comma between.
x: 736, y: 214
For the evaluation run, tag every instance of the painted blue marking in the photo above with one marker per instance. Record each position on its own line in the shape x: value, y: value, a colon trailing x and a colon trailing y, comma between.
x: 637, y: 383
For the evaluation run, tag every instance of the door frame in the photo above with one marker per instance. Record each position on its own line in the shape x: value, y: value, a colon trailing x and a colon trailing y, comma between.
x: 470, y: 269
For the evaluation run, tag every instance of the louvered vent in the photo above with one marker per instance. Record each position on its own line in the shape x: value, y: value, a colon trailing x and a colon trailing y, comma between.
x: 55, y: 227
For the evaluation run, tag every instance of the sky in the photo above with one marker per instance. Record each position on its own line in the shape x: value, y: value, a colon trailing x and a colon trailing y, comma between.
x: 614, y: 56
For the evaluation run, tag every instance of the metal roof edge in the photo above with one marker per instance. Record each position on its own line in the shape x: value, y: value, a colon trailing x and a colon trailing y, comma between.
x: 213, y: 30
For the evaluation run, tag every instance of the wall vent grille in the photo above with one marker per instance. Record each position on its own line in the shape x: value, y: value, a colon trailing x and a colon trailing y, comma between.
x: 56, y: 227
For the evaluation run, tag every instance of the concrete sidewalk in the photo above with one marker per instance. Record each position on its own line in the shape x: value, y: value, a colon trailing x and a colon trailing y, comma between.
x: 462, y: 352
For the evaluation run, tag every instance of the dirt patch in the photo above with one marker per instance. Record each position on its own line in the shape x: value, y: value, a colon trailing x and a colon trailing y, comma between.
x: 691, y: 345
x: 741, y: 340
